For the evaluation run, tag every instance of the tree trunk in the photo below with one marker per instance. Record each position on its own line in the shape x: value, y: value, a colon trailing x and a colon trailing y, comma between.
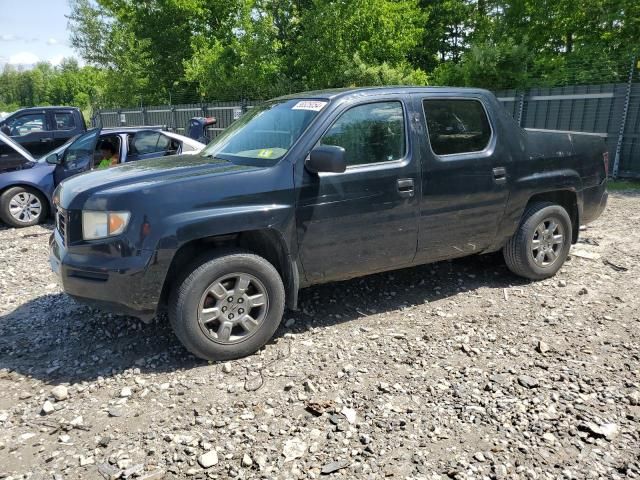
x: 569, y: 43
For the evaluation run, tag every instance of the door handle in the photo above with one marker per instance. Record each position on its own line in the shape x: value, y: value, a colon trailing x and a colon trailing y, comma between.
x: 406, y: 187
x: 45, y: 140
x: 500, y: 175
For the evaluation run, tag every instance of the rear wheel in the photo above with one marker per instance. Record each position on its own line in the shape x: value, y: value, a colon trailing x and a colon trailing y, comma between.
x: 541, y: 244
x: 22, y: 207
x: 228, y: 306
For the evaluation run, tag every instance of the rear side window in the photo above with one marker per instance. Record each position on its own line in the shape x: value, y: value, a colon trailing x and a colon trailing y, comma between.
x: 64, y: 121
x: 371, y: 133
x: 456, y: 126
x: 163, y: 143
x: 146, y: 142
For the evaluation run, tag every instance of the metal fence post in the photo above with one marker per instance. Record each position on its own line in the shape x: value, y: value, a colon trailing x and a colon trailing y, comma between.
x: 521, y: 101
x: 174, y: 120
x: 145, y: 120
x: 623, y: 120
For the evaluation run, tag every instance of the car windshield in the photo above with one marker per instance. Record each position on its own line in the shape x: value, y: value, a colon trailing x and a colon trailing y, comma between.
x: 266, y: 132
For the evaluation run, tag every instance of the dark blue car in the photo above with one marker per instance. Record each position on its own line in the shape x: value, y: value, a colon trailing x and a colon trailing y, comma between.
x: 27, y: 183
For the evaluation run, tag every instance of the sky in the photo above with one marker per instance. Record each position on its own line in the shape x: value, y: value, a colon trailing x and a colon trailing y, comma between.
x: 33, y: 31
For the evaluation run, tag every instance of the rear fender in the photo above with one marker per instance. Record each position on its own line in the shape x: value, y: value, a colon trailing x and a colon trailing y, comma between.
x: 539, y: 185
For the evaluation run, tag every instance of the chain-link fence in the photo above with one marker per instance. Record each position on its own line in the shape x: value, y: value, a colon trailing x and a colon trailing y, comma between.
x: 611, y: 111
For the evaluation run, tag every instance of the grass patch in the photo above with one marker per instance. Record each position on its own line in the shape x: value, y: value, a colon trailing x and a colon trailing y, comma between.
x: 620, y: 185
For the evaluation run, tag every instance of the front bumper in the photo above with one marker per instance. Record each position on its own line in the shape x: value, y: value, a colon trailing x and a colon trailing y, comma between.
x: 116, y: 284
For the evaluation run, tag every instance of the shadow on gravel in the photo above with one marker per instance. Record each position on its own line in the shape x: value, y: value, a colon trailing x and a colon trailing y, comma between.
x: 56, y: 340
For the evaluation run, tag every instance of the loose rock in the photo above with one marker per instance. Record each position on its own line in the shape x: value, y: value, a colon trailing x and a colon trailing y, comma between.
x: 60, y: 393
x: 208, y: 459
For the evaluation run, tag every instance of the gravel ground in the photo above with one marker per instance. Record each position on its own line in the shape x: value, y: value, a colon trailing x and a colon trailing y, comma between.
x: 452, y: 370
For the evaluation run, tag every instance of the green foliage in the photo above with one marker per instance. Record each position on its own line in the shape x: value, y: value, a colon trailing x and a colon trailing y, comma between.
x: 183, y: 51
x: 489, y: 65
x: 244, y: 63
x: 623, y: 186
x: 67, y: 84
x: 332, y: 31
x: 362, y: 74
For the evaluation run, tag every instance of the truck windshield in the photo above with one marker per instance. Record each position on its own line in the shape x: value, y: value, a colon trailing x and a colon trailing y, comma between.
x: 266, y: 132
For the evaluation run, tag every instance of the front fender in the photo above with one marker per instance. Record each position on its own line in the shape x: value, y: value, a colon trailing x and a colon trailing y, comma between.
x: 182, y: 229
x: 39, y: 178
x: 189, y: 226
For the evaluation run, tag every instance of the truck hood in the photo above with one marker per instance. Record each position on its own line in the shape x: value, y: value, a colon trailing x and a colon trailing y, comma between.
x: 144, y: 174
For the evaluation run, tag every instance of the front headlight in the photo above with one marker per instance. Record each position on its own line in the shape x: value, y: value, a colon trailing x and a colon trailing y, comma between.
x: 97, y: 225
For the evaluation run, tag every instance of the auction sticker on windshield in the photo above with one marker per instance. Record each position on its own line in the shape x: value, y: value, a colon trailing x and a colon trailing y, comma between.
x: 313, y: 105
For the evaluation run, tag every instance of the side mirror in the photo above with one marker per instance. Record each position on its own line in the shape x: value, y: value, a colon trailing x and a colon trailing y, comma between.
x: 54, y: 159
x: 326, y: 158
x: 5, y: 129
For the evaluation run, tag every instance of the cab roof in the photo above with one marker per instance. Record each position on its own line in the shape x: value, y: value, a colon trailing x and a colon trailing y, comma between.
x: 48, y: 107
x: 334, y: 93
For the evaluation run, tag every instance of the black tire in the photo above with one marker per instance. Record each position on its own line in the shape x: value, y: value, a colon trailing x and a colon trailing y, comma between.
x: 185, y: 299
x: 5, y: 200
x: 518, y: 252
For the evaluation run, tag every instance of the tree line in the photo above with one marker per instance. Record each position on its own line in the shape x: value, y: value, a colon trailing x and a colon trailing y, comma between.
x: 183, y: 51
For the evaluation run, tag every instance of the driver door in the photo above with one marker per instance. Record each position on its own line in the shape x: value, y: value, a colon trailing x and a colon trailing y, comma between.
x: 365, y: 219
x: 78, y: 157
x: 32, y: 131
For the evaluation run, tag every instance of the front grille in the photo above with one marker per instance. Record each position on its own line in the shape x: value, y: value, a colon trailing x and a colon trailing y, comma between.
x: 61, y: 224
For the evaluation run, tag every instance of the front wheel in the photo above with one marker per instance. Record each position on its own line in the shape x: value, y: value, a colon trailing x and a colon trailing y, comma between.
x: 541, y: 244
x: 228, y: 306
x: 22, y: 207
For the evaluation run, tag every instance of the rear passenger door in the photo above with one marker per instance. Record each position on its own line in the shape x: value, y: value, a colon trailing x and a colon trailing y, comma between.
x: 147, y: 144
x: 64, y: 124
x: 464, y: 177
x: 365, y: 219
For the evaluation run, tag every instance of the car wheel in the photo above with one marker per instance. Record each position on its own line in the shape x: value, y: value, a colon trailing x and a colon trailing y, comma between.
x: 227, y: 306
x: 22, y: 207
x: 541, y: 244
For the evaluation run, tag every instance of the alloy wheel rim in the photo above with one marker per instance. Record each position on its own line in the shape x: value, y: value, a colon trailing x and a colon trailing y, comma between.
x: 232, y: 308
x: 547, y: 242
x: 25, y: 207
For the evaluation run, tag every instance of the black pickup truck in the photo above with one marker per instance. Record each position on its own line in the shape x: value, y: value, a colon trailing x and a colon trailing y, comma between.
x: 319, y: 187
x: 42, y: 129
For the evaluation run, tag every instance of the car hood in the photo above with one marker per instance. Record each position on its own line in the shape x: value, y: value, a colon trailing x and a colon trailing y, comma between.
x: 145, y: 174
x: 25, y: 166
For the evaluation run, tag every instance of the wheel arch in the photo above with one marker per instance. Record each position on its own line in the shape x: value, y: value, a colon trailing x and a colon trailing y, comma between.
x: 47, y: 200
x: 267, y: 243
x: 567, y: 199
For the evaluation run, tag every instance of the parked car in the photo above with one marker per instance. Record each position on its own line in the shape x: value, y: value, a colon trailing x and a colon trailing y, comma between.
x: 132, y: 144
x: 41, y: 129
x: 27, y: 183
x: 320, y: 187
